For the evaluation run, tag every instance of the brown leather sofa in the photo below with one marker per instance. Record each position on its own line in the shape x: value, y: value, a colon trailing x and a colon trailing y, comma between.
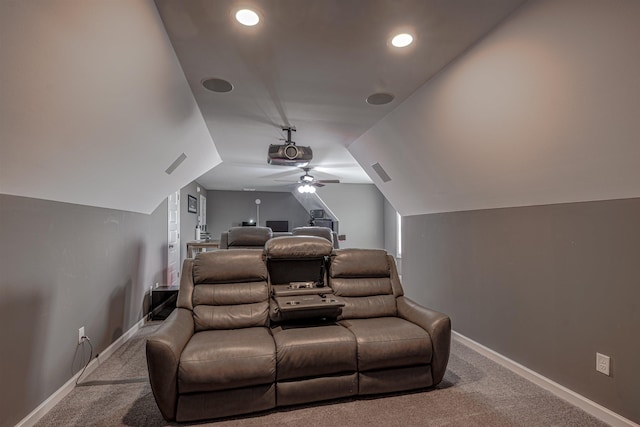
x: 256, y: 237
x: 229, y: 348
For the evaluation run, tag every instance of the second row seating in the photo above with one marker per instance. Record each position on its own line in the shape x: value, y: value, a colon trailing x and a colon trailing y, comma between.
x: 256, y: 237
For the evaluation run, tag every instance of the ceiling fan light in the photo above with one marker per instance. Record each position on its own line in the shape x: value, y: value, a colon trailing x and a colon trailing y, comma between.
x: 306, y: 188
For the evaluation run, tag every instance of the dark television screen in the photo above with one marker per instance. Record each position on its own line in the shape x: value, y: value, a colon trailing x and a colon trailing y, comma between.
x: 278, y: 226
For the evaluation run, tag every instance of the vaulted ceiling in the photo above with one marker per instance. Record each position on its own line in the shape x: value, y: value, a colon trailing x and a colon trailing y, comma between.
x: 311, y: 64
x: 497, y: 103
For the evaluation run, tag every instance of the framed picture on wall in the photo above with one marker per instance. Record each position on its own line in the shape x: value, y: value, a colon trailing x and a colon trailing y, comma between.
x: 192, y: 204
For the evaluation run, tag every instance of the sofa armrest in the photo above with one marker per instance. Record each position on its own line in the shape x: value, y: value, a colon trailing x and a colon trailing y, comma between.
x: 437, y: 325
x: 164, y: 348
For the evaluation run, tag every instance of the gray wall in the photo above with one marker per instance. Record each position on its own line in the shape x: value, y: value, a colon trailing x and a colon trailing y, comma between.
x: 391, y: 233
x: 546, y: 286
x: 226, y: 209
x: 390, y: 229
x: 360, y: 209
x: 65, y: 266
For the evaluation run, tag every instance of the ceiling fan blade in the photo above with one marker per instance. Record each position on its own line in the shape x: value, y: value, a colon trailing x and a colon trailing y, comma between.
x: 329, y: 181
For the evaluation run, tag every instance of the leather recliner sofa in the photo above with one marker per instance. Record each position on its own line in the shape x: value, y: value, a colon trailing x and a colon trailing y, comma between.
x: 257, y: 237
x: 230, y: 349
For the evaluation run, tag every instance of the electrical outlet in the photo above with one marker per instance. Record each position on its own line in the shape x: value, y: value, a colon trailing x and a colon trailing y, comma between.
x: 80, y: 335
x: 603, y: 363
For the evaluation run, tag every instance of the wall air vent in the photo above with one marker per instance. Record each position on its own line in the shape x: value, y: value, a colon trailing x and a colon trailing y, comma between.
x: 181, y: 158
x: 381, y: 172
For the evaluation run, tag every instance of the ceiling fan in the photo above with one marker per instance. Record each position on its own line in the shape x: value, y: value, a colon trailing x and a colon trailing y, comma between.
x: 308, y: 183
x: 311, y: 180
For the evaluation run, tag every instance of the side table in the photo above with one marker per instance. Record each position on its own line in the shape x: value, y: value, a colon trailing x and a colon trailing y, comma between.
x: 163, y: 301
x: 201, y: 245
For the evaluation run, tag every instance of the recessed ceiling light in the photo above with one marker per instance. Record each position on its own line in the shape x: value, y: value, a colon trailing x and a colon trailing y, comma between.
x: 217, y: 85
x: 402, y: 40
x: 379, y: 98
x: 247, y: 17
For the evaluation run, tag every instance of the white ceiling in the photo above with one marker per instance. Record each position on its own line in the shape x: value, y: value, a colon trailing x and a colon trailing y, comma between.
x: 311, y: 64
x: 543, y: 110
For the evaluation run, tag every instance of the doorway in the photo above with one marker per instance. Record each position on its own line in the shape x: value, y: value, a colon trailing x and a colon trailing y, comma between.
x: 173, y: 240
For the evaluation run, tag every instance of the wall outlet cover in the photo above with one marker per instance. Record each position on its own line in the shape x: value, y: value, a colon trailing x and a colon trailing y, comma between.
x: 603, y: 363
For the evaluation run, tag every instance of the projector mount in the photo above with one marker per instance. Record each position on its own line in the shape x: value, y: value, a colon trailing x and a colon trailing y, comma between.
x: 290, y: 150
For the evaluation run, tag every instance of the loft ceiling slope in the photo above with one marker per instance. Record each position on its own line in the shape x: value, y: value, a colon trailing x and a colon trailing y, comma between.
x: 95, y: 106
x: 542, y: 111
x: 312, y: 64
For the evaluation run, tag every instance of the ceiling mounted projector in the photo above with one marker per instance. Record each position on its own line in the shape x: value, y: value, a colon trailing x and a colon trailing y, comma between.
x: 289, y: 154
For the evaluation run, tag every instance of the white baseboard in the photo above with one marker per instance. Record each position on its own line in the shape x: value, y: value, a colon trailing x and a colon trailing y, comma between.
x: 589, y: 406
x: 59, y: 394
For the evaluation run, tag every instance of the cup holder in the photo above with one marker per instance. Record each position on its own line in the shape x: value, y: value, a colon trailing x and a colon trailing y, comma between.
x: 301, y: 285
x: 293, y: 302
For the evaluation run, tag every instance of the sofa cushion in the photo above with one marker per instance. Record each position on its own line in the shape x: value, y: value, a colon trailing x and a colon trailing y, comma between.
x: 242, y: 265
x: 298, y: 247
x: 368, y: 307
x: 248, y: 236
x: 389, y: 342
x: 312, y: 351
x: 360, y: 263
x: 361, y: 287
x: 231, y: 293
x: 207, y: 317
x: 223, y: 359
x: 362, y: 278
x: 230, y: 290
x: 324, y: 232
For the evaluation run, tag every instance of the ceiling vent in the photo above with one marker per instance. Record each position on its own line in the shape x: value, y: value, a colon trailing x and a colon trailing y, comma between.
x: 381, y: 172
x: 177, y: 162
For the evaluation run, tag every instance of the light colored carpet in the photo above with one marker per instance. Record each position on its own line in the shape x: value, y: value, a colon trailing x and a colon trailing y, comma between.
x: 474, y: 392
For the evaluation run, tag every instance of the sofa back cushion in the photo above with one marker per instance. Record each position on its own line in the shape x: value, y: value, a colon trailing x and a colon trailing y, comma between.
x: 324, y: 232
x: 314, y: 231
x: 230, y: 290
x: 362, y: 278
x: 248, y: 237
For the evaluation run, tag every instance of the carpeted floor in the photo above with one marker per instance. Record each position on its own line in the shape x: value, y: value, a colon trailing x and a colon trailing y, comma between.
x: 474, y: 392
